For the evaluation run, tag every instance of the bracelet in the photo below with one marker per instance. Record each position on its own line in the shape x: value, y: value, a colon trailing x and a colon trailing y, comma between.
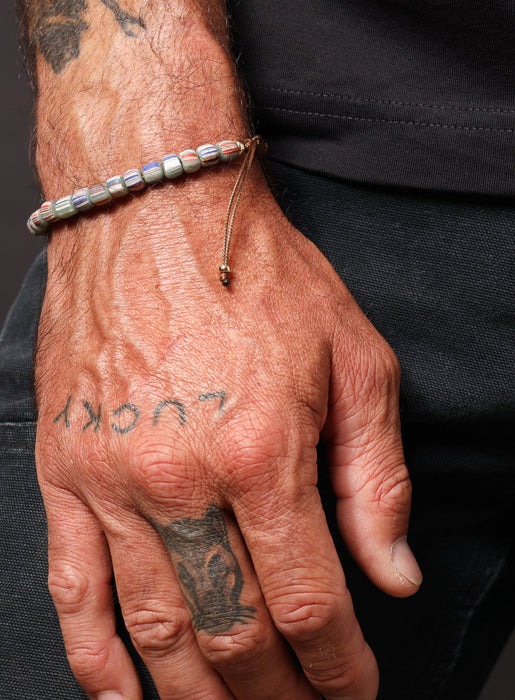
x: 169, y: 167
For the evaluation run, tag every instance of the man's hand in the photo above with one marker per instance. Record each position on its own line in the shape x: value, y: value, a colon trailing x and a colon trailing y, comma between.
x: 177, y: 415
x: 178, y: 419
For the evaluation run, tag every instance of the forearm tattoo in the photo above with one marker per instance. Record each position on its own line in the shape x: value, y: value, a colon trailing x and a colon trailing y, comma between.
x: 208, y: 571
x: 56, y: 27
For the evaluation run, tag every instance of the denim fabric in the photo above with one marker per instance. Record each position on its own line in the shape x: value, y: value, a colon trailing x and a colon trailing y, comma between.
x: 33, y: 661
x: 435, y: 275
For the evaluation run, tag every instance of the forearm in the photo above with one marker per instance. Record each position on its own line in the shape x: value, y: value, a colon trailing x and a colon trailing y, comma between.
x: 120, y: 86
x: 118, y: 101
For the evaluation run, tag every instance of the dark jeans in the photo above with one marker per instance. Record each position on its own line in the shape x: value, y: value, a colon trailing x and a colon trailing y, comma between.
x: 435, y: 276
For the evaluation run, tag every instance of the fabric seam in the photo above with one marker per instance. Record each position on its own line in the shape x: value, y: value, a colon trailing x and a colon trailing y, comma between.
x: 399, y: 122
x: 395, y: 103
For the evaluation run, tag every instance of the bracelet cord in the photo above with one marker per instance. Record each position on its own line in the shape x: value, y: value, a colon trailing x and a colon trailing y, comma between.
x: 251, y: 146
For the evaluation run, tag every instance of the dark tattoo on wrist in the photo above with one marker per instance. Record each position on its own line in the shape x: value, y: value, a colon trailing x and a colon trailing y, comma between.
x: 57, y: 26
x: 124, y: 19
x: 127, y: 416
x: 208, y: 571
x: 56, y: 30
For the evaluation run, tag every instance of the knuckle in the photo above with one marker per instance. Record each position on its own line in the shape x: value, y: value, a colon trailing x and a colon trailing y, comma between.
x: 303, y: 621
x: 69, y: 587
x: 258, y: 440
x: 239, y: 649
x: 387, y: 370
x: 390, y: 362
x: 155, y: 468
x: 393, y: 492
x: 335, y: 674
x: 376, y: 369
x: 62, y: 459
x: 157, y: 632
x: 88, y: 661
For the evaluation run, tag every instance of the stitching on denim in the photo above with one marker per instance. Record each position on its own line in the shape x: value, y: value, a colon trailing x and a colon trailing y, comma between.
x: 395, y: 103
x: 400, y: 122
x: 13, y: 424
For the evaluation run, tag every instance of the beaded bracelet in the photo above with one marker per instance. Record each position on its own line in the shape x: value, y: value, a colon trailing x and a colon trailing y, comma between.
x: 169, y: 168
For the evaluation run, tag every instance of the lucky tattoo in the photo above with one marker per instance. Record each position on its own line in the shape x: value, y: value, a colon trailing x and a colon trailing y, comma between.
x: 84, y: 415
x: 208, y: 571
x: 94, y: 418
x: 64, y: 414
x: 57, y: 26
x: 214, y: 395
x: 170, y: 402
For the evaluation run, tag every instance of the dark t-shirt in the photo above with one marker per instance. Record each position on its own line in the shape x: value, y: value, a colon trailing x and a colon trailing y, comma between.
x: 417, y: 93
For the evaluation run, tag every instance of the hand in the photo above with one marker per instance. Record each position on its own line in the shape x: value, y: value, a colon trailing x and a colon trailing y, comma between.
x: 177, y: 448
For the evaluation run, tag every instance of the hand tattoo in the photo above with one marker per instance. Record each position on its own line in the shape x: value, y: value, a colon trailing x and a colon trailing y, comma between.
x: 56, y: 28
x: 214, y: 395
x: 127, y: 416
x: 208, y: 571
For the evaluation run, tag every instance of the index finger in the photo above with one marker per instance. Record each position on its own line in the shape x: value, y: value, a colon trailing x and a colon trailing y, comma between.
x: 305, y: 591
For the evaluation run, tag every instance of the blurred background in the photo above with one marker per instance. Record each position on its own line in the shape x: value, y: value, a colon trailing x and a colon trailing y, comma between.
x: 19, y: 196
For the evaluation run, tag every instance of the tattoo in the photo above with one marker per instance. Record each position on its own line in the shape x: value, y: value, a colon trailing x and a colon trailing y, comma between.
x: 64, y: 413
x: 208, y: 571
x: 121, y: 426
x: 126, y: 429
x: 57, y: 30
x: 214, y: 395
x: 124, y: 19
x: 170, y: 402
x: 57, y: 27
x: 94, y: 418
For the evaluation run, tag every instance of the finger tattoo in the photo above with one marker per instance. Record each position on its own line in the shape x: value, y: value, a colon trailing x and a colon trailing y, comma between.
x: 208, y: 571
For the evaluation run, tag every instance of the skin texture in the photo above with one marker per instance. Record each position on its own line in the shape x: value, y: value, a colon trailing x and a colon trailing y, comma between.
x: 178, y: 419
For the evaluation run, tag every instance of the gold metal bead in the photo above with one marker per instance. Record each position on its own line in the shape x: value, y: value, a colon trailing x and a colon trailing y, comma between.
x: 224, y: 274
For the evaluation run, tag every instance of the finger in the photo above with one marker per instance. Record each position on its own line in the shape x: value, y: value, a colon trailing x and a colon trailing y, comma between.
x: 305, y: 591
x: 369, y: 475
x: 155, y: 614
x: 234, y: 630
x: 79, y: 580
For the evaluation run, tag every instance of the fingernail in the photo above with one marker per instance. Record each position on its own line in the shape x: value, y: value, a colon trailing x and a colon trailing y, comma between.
x: 405, y: 563
x: 110, y: 695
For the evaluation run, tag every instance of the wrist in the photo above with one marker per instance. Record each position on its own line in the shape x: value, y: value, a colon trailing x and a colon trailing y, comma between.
x: 123, y: 110
x: 176, y: 225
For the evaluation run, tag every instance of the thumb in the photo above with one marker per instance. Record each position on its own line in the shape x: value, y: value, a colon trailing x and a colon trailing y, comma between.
x: 369, y: 476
